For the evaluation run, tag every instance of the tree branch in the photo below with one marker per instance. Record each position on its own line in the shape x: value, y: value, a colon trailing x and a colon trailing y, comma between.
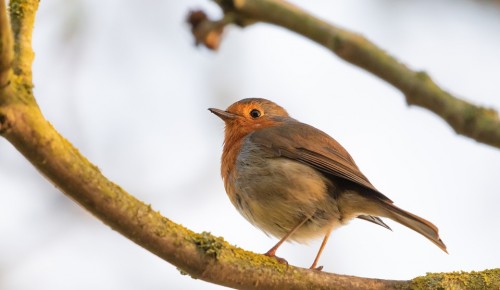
x: 6, y: 49
x: 202, y: 256
x: 476, y: 122
x: 22, y: 14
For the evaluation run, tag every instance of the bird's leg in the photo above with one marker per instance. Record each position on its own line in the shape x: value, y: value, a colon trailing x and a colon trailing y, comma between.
x: 272, y: 251
x: 323, y: 244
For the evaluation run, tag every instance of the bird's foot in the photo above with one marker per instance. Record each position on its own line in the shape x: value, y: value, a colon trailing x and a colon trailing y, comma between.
x: 279, y: 259
x: 319, y: 268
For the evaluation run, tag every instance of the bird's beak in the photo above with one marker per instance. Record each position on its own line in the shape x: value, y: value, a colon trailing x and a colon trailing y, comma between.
x: 223, y: 114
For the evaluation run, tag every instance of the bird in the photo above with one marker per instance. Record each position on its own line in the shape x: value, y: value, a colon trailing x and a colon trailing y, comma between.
x: 297, y: 183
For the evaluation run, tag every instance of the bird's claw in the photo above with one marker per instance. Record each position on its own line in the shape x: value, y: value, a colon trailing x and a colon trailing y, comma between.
x: 319, y: 268
x: 279, y: 259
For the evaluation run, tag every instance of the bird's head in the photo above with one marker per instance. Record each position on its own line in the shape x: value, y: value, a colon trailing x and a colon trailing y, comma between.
x: 248, y: 115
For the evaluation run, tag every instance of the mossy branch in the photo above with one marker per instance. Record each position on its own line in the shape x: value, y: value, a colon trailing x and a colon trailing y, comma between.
x: 202, y: 256
x: 479, y: 123
x: 6, y: 47
x: 22, y: 15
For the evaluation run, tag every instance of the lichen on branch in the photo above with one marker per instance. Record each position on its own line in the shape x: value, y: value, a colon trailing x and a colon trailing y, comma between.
x: 202, y: 256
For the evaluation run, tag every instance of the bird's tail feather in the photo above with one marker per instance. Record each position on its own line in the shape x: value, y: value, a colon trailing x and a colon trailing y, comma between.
x: 416, y: 223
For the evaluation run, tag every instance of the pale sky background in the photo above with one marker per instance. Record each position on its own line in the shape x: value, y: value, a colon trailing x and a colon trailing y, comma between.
x: 124, y: 83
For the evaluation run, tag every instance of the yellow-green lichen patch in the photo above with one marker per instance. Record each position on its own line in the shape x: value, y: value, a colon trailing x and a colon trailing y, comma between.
x: 209, y: 244
x: 422, y: 75
x: 254, y: 259
x: 487, y: 279
x: 249, y: 259
x: 219, y: 249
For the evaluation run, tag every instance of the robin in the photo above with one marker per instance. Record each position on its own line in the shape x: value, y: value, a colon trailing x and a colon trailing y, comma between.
x: 297, y: 183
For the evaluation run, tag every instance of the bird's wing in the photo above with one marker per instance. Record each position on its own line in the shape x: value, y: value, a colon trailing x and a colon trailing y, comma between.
x: 304, y: 143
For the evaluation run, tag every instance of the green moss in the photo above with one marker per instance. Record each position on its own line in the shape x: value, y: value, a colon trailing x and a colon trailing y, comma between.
x: 218, y: 248
x: 469, y: 113
x: 208, y: 244
x: 247, y: 259
x: 16, y: 9
x: 19, y: 10
x: 422, y: 75
x: 336, y: 42
x: 487, y: 279
x: 22, y: 92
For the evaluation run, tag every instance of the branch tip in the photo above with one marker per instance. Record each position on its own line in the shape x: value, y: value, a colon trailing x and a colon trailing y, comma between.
x: 205, y: 31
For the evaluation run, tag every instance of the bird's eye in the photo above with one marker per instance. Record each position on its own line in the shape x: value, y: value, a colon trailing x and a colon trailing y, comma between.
x: 255, y: 113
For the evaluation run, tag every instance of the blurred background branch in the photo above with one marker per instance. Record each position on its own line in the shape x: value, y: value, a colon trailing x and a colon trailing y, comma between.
x: 479, y: 123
